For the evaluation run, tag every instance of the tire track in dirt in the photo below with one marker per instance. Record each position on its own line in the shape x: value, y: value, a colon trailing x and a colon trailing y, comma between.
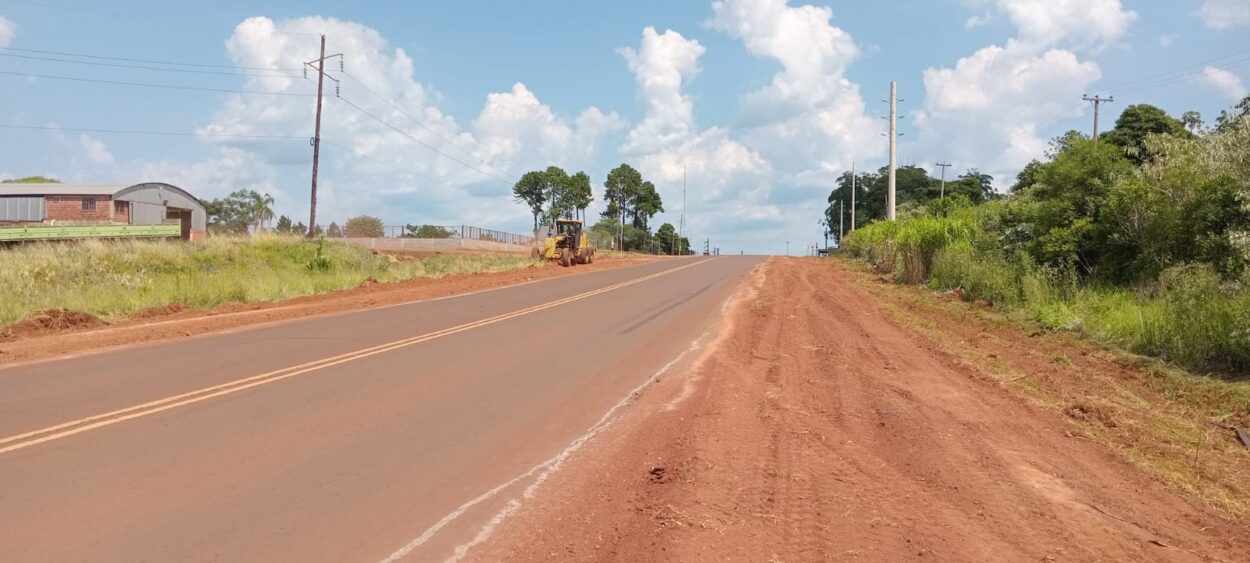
x: 821, y: 429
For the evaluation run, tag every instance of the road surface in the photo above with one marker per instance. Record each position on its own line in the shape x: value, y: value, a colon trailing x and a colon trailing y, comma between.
x: 396, y: 432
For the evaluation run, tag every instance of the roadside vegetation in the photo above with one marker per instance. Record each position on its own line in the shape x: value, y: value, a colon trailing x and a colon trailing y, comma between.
x: 625, y: 224
x: 111, y: 279
x: 1140, y: 239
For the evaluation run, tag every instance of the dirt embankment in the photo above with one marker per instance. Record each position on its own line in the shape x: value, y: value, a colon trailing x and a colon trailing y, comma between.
x: 59, y: 332
x: 823, y: 428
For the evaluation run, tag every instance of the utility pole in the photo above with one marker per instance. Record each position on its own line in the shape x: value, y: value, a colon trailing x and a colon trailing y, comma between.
x: 1098, y: 101
x: 841, y: 214
x: 944, y: 166
x: 316, y: 140
x: 852, y: 201
x: 787, y: 248
x: 681, y: 228
x: 889, y: 202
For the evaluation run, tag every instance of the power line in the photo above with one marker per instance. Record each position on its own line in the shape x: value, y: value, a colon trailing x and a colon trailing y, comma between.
x: 426, y: 127
x: 148, y: 132
x: 166, y: 21
x: 147, y: 61
x: 1179, y: 78
x: 149, y: 85
x: 142, y: 67
x: 1239, y: 58
x: 357, y: 153
x: 420, y: 142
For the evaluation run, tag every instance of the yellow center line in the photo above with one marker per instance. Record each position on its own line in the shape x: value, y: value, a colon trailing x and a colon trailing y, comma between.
x: 81, y: 425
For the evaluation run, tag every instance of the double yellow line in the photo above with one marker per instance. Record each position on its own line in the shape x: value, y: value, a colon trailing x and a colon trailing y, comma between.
x: 81, y: 425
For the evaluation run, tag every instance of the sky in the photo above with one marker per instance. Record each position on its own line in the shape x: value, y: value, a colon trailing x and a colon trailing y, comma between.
x: 438, y: 107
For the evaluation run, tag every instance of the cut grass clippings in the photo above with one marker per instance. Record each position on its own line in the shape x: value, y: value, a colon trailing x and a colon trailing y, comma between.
x: 115, y: 279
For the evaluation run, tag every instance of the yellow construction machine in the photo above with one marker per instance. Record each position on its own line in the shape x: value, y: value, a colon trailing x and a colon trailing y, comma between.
x: 566, y: 242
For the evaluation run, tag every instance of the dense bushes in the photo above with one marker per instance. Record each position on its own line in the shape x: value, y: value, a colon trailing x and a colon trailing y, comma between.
x: 1152, y: 257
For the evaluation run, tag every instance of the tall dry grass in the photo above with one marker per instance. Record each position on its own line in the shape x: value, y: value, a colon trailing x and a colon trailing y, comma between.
x: 111, y: 279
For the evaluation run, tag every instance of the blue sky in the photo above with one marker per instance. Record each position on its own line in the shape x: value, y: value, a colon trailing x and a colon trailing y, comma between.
x: 764, y: 101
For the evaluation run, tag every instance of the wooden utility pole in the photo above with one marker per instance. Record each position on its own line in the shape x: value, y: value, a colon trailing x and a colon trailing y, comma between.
x: 316, y: 140
x: 1098, y: 101
x: 944, y: 166
x: 889, y: 200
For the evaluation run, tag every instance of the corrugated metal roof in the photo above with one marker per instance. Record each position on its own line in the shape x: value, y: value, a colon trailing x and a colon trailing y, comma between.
x: 61, y: 189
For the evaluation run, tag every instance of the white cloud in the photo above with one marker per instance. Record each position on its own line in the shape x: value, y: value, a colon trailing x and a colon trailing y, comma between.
x: 95, y: 150
x: 977, y: 20
x: 810, y: 121
x: 730, y: 184
x: 1224, y: 14
x: 1226, y: 83
x: 661, y: 65
x: 368, y: 167
x: 8, y: 30
x: 992, y: 109
x: 1079, y: 23
x: 1166, y: 41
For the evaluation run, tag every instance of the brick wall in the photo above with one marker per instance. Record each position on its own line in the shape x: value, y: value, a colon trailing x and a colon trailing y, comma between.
x: 69, y: 208
x: 121, y: 212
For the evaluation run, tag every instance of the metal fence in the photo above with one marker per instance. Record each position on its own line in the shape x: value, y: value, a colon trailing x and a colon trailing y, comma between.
x: 465, y: 232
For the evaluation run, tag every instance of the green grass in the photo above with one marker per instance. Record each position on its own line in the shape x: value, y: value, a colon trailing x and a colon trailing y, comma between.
x: 1188, y: 316
x: 112, y: 279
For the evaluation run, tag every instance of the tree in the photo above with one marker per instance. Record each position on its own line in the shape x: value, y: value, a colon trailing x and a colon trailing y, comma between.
x: 975, y: 185
x: 300, y: 229
x: 622, y: 183
x: 284, y: 225
x: 425, y: 231
x: 1192, y: 121
x: 579, y: 193
x: 531, y: 190
x: 1136, y: 123
x: 646, y: 203
x: 363, y: 226
x: 235, y: 213
x: 666, y: 235
x: 556, y: 187
x: 260, y: 209
x: 335, y: 231
x: 1229, y: 119
x: 32, y: 180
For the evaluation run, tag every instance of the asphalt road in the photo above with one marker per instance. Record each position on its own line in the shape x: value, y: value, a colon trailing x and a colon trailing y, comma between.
x: 392, y: 432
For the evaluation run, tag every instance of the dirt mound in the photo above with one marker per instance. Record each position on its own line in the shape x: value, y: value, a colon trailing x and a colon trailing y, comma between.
x: 49, y: 322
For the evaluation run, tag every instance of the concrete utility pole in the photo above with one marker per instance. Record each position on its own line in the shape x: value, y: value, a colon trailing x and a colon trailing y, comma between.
x: 889, y: 201
x: 681, y: 223
x: 1098, y: 101
x: 944, y: 166
x: 841, y: 215
x: 852, y: 201
x: 787, y: 248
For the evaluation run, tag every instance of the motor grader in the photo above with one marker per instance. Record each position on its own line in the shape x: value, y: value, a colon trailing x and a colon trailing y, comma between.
x: 567, y: 243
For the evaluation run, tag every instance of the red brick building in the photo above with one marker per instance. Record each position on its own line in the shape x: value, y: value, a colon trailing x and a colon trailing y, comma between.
x: 128, y: 204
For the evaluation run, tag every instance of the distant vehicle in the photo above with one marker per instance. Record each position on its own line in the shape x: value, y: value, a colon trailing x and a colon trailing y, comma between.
x: 568, y: 243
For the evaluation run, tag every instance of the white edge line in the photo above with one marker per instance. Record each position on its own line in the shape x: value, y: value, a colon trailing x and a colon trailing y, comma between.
x: 546, y: 468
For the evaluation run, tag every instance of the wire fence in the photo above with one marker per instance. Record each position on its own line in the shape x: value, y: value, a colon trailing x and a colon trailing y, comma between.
x: 466, y: 232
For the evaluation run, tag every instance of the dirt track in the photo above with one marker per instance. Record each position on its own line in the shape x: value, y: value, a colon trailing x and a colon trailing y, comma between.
x: 821, y: 429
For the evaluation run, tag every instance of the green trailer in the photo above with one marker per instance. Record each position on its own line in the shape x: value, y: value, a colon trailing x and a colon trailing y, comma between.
x: 71, y: 232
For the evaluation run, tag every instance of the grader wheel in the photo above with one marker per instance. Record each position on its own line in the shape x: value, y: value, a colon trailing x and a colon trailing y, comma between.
x: 566, y: 257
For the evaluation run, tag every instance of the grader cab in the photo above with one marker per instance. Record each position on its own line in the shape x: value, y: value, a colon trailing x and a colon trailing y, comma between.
x: 566, y: 242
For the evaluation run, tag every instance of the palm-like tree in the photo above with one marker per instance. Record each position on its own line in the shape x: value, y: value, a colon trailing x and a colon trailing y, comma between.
x: 262, y: 209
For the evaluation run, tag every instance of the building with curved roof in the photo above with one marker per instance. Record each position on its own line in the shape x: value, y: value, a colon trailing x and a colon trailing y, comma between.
x: 148, y: 203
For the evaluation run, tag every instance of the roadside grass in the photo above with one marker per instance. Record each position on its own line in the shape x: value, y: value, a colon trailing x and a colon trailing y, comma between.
x: 1173, y: 423
x: 112, y: 279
